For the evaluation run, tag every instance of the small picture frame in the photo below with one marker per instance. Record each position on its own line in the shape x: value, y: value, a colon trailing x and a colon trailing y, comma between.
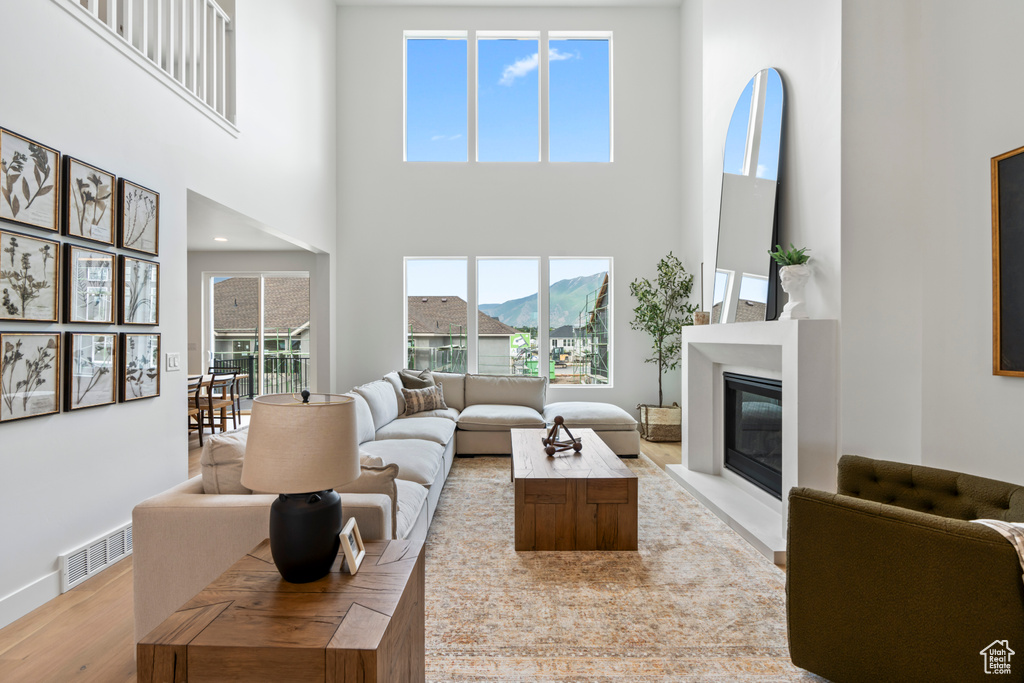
x: 138, y: 218
x: 89, y: 292
x: 140, y: 366
x: 140, y: 291
x: 29, y: 182
x: 29, y: 278
x: 91, y: 370
x: 29, y: 374
x: 89, y: 206
x: 352, y: 547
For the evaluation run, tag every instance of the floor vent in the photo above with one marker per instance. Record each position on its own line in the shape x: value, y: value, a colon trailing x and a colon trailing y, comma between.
x: 78, y: 565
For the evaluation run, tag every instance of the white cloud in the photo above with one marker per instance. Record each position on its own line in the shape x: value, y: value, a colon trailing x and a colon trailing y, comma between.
x: 527, y: 64
x: 438, y: 138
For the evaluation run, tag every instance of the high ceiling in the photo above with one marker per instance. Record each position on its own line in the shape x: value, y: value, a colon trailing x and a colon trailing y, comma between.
x: 509, y: 3
x: 208, y: 220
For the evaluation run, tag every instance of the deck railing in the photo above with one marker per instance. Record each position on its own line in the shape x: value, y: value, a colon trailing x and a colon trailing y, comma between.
x: 191, y: 41
x: 282, y: 373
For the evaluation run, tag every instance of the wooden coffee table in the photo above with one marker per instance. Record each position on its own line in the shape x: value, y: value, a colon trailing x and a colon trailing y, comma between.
x: 572, y: 501
x: 251, y: 625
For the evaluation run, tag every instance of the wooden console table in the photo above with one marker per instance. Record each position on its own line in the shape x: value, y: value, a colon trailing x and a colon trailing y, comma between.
x: 251, y: 625
x: 572, y: 501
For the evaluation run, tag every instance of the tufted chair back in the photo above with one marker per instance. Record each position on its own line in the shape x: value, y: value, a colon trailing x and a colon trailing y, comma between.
x: 927, y: 489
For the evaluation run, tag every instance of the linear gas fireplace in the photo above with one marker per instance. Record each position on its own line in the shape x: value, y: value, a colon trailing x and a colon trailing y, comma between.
x: 753, y: 430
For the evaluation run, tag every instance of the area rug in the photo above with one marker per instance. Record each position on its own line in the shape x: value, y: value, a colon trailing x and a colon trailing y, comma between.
x: 695, y: 603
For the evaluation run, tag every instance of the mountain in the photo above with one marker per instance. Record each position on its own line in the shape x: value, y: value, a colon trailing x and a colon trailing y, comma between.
x: 566, y: 299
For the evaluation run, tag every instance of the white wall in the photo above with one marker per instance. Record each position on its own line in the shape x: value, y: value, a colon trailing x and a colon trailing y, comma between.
x: 388, y: 209
x: 923, y: 310
x: 69, y: 478
x: 802, y: 39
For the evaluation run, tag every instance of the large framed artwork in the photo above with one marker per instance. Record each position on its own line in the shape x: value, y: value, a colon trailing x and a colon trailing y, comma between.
x: 140, y: 291
x: 140, y: 366
x: 29, y: 374
x: 29, y: 180
x: 89, y: 206
x: 1008, y: 263
x: 89, y: 292
x: 29, y: 278
x: 90, y: 370
x: 138, y: 218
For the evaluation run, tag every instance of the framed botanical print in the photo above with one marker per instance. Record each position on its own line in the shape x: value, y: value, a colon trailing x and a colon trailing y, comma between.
x: 89, y: 292
x: 89, y: 206
x: 29, y: 374
x: 140, y: 291
x: 138, y: 218
x: 140, y: 366
x: 29, y: 179
x: 90, y: 370
x: 29, y: 278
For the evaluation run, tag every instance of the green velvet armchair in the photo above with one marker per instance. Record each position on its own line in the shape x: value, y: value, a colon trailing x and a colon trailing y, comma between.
x: 887, y: 580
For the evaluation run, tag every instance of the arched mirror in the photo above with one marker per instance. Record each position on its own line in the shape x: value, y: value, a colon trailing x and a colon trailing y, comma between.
x: 746, y: 279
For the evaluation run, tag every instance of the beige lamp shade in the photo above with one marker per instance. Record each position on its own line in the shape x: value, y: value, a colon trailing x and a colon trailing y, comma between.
x: 296, y: 447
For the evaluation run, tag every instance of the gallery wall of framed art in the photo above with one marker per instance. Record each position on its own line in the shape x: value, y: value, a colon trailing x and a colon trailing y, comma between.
x: 65, y: 289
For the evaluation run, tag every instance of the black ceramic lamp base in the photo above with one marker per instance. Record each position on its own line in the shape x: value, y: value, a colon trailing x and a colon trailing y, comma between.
x: 304, y: 529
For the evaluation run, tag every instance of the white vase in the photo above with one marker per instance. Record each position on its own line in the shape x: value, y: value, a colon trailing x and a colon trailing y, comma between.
x: 794, y: 280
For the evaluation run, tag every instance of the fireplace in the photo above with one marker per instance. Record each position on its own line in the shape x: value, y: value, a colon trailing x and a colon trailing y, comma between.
x: 753, y: 430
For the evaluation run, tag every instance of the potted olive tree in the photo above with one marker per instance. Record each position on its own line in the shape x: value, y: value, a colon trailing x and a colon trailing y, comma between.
x: 662, y: 309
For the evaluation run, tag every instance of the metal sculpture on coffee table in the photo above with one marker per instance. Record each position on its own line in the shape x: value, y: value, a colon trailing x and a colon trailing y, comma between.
x: 553, y: 445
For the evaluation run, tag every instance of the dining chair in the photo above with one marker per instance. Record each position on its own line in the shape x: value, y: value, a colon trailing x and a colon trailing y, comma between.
x: 195, y: 409
x: 220, y: 396
x: 238, y: 387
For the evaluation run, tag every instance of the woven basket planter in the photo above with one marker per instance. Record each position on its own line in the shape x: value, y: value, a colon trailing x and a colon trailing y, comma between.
x: 661, y: 424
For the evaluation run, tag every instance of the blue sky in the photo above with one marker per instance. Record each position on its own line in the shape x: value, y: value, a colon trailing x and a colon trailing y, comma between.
x: 436, y: 277
x: 501, y: 280
x: 771, y: 130
x: 507, y: 100
x: 498, y: 280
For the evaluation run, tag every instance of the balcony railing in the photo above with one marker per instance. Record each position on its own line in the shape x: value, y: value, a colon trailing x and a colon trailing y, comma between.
x: 191, y: 41
x: 282, y: 373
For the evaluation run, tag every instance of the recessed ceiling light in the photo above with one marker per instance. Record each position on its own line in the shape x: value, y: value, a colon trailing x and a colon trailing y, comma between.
x: 220, y: 239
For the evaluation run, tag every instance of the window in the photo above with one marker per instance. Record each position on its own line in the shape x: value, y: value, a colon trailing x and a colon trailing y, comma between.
x: 508, y: 97
x: 579, y: 314
x: 435, y: 96
x: 508, y: 296
x: 437, y: 317
x: 510, y: 67
x: 579, y: 97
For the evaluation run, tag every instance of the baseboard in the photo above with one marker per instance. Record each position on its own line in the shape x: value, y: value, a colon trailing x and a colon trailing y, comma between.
x: 22, y: 601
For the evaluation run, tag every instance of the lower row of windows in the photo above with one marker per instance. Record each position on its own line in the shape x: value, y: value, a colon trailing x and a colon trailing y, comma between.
x: 509, y: 319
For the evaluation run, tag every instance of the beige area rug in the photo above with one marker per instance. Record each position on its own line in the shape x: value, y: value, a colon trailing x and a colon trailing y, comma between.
x: 696, y: 603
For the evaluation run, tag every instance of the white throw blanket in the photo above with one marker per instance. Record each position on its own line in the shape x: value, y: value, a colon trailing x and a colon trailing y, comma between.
x: 1012, y: 531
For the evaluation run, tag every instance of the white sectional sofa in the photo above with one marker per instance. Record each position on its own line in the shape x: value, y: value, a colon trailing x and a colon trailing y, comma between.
x: 187, y: 536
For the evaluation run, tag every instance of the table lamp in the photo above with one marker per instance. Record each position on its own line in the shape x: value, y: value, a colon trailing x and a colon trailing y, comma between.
x: 301, y: 447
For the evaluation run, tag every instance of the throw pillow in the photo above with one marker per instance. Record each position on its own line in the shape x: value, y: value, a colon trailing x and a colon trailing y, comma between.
x: 377, y: 480
x: 419, y: 400
x: 221, y: 462
x: 411, y: 379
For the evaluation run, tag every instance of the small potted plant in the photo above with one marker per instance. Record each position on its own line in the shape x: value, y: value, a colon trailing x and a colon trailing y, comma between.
x: 794, y: 271
x: 662, y: 309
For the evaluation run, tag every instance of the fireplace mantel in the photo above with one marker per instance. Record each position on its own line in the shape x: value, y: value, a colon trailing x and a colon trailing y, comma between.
x: 804, y: 355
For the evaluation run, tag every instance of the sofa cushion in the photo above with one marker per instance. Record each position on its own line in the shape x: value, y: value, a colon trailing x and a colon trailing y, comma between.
x: 597, y: 416
x: 364, y: 419
x: 417, y: 460
x: 416, y: 379
x: 395, y: 381
x: 498, y: 418
x: 436, y: 429
x: 454, y: 385
x: 422, y: 400
x: 506, y: 390
x: 448, y: 413
x: 383, y: 402
x: 411, y: 499
x: 221, y: 462
x: 377, y: 480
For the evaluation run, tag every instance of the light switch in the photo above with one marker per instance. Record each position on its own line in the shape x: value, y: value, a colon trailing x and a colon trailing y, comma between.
x: 173, y: 362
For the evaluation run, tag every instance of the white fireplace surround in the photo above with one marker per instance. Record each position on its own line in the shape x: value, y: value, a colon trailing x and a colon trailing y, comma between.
x: 804, y: 355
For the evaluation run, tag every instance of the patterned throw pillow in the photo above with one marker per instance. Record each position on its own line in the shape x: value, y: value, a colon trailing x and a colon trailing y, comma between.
x: 411, y: 379
x: 420, y: 400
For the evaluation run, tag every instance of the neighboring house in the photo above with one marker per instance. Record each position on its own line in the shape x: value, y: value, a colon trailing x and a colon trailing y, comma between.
x: 236, y: 312
x: 596, y: 334
x: 437, y: 336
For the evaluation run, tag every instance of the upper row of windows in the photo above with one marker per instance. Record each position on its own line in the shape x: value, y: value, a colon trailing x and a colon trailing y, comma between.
x: 511, y: 68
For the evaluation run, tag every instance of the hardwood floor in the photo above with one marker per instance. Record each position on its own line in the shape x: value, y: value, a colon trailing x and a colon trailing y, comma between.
x: 86, y: 634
